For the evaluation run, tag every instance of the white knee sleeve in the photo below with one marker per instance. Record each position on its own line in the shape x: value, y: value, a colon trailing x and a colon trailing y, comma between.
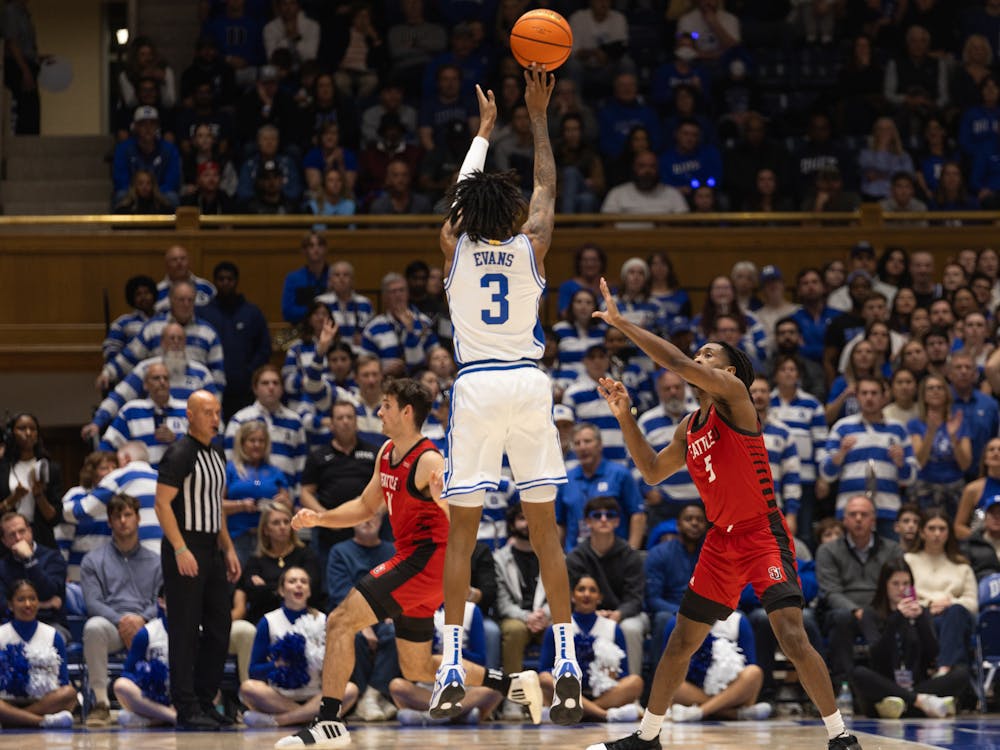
x: 474, y: 499
x: 542, y: 494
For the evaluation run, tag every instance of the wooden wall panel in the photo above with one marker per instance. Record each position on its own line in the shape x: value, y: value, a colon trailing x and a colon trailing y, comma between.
x: 51, y: 310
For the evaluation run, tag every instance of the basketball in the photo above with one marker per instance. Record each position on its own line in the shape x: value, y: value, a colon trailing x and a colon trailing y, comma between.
x: 542, y: 37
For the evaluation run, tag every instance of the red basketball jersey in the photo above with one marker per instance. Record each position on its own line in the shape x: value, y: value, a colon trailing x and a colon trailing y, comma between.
x: 414, y: 516
x: 730, y: 469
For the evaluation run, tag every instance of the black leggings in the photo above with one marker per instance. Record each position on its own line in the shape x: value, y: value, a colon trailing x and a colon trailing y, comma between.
x: 870, y: 687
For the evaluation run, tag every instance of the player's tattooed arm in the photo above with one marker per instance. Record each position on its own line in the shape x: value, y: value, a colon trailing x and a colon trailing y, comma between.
x: 541, y: 210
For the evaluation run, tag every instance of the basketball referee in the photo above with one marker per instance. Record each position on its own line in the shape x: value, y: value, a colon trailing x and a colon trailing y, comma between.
x: 197, y: 559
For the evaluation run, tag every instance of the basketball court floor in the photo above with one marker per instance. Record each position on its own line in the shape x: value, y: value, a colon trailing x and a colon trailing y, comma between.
x: 964, y: 733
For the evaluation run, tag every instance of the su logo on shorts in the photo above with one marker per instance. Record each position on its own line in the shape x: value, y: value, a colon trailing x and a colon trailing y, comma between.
x: 775, y: 572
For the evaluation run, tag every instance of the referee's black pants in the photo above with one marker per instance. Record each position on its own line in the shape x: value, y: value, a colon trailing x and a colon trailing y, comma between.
x: 199, y: 619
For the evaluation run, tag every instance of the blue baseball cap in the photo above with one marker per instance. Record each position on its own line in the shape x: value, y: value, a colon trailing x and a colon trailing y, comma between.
x: 678, y: 324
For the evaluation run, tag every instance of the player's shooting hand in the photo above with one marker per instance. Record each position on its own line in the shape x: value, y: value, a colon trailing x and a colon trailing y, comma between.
x: 487, y: 111
x: 610, y: 313
x: 616, y: 395
x: 305, y: 519
x: 538, y: 89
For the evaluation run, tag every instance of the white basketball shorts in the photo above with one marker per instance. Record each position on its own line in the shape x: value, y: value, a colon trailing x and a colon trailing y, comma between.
x: 499, y: 407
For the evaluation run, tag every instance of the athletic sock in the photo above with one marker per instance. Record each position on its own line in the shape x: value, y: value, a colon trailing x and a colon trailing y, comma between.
x: 329, y: 709
x: 495, y: 679
x: 834, y: 725
x: 451, y: 645
x: 565, y: 647
x: 650, y: 726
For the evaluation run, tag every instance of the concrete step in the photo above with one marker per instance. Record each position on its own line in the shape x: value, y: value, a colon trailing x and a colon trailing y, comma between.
x: 80, y: 167
x: 38, y: 191
x: 51, y: 208
x: 58, y: 146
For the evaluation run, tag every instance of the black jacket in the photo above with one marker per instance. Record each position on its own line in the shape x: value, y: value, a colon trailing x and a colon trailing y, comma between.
x: 982, y: 555
x: 41, y: 528
x: 620, y: 575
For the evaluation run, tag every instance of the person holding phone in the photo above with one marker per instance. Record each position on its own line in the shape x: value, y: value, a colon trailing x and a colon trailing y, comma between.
x: 902, y: 649
x: 30, y: 482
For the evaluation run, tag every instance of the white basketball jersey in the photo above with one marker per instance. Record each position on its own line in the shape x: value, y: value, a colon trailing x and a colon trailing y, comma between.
x: 493, y: 292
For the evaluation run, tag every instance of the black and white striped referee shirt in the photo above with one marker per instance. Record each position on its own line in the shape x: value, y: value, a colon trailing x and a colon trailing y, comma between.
x: 198, y: 472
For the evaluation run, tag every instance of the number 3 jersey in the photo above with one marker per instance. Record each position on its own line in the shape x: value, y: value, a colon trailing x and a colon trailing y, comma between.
x: 415, y: 518
x: 493, y: 292
x: 730, y: 469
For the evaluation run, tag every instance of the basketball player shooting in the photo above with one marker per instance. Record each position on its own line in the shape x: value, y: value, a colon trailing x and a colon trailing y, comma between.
x: 501, y: 401
x: 723, y: 448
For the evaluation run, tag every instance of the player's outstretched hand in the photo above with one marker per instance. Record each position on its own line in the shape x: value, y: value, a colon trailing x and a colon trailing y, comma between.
x: 616, y: 395
x: 487, y: 111
x: 306, y: 518
x: 610, y: 313
x: 538, y: 85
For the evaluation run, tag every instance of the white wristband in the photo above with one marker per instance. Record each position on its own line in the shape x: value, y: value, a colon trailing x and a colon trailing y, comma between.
x: 475, y: 159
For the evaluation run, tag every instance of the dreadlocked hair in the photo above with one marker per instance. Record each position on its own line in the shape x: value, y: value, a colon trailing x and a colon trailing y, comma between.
x: 739, y: 359
x: 486, y: 206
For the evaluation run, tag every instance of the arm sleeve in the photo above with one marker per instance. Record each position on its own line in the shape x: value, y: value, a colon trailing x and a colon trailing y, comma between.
x: 137, y: 651
x: 175, y: 465
x: 260, y: 666
x: 48, y: 575
x: 484, y: 578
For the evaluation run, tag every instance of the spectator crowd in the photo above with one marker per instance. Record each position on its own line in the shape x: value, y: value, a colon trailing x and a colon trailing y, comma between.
x: 875, y: 377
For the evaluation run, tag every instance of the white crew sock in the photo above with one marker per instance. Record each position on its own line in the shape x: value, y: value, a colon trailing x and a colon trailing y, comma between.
x: 834, y: 725
x: 650, y: 726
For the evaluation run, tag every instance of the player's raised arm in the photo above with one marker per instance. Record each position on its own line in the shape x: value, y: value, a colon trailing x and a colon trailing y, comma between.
x: 351, y: 513
x: 654, y: 467
x: 541, y: 210
x: 475, y: 160
x: 718, y: 383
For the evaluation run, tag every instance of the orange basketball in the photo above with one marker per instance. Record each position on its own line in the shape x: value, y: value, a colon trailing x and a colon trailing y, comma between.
x: 542, y: 37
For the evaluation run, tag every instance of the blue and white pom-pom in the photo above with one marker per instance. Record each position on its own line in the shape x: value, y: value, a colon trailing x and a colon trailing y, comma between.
x: 45, y: 663
x: 14, y: 670
x: 603, y: 670
x: 153, y: 679
x: 289, y: 669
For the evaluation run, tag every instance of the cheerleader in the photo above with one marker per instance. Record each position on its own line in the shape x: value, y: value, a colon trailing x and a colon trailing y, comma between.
x: 34, y: 683
x: 287, y: 660
x: 722, y: 681
x: 610, y: 693
x: 143, y: 690
x: 414, y: 698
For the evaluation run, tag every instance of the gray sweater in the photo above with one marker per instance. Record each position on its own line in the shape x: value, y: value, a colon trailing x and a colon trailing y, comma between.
x: 844, y: 581
x: 115, y: 585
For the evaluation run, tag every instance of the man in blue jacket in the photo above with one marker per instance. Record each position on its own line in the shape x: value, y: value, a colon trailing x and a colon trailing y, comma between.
x: 670, y: 565
x: 146, y: 150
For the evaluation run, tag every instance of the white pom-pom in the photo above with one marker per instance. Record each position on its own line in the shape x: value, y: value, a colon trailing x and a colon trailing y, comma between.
x: 727, y: 663
x: 313, y: 629
x: 45, y: 662
x: 603, y: 670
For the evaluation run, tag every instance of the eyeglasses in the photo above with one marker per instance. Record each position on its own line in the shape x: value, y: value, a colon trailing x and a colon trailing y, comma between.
x: 603, y: 515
